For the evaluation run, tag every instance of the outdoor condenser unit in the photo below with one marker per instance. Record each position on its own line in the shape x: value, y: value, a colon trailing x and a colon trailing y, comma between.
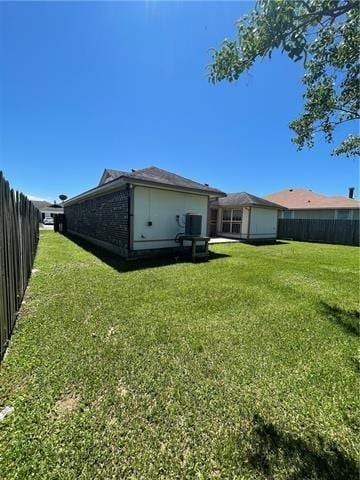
x: 193, y: 224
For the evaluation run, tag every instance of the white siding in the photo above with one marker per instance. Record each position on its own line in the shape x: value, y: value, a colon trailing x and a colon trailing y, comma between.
x: 263, y: 223
x: 245, y: 223
x: 161, y: 207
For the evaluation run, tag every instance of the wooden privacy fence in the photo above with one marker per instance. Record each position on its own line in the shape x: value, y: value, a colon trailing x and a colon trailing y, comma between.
x: 19, y: 234
x: 343, y: 232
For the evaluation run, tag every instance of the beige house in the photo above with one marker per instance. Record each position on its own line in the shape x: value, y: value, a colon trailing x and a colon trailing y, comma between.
x: 302, y: 203
x: 244, y: 216
x: 141, y: 213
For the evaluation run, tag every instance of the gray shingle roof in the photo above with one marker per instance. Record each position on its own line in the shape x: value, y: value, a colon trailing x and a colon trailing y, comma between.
x: 49, y: 207
x: 244, y: 199
x: 158, y: 175
x: 41, y: 204
x: 111, y: 175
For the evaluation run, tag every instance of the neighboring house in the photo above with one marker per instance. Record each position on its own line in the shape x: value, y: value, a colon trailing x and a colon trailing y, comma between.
x: 306, y: 204
x: 138, y: 213
x: 47, y: 209
x: 244, y: 216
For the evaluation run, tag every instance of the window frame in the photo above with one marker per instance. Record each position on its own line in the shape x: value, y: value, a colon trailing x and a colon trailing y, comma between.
x: 231, y: 222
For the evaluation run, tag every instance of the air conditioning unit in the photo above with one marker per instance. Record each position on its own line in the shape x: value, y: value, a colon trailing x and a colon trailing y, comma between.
x: 193, y: 224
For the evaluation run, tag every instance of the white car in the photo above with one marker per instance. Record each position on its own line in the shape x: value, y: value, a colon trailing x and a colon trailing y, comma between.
x: 48, y: 221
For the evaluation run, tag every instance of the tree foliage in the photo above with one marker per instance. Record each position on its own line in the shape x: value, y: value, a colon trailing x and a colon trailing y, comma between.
x: 325, y: 35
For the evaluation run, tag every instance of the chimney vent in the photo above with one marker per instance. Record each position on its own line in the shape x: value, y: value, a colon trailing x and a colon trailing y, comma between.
x: 351, y: 192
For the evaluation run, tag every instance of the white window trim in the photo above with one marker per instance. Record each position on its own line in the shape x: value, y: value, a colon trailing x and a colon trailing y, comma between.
x: 231, y: 221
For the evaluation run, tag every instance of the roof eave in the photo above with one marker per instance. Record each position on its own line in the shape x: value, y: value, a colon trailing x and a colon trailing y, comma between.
x: 275, y: 206
x: 123, y: 180
x: 347, y: 207
x: 96, y: 191
x: 168, y: 186
x: 253, y: 205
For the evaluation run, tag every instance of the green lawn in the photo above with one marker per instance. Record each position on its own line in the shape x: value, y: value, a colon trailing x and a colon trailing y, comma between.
x: 242, y: 367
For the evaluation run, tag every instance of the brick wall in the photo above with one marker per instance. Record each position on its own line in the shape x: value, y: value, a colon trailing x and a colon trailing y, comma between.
x: 104, y: 218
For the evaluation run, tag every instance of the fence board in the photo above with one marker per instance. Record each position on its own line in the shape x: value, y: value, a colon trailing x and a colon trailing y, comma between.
x: 19, y: 235
x: 343, y: 232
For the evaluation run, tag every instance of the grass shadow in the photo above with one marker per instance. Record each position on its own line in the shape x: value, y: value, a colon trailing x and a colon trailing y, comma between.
x: 122, y: 265
x: 267, y: 243
x: 347, y: 320
x: 320, y: 460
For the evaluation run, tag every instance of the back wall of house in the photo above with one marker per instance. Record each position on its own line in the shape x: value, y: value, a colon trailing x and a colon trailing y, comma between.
x: 155, y: 211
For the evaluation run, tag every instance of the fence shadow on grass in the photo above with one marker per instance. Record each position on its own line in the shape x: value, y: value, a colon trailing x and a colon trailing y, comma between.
x: 122, y: 265
x: 348, y: 320
x: 321, y: 460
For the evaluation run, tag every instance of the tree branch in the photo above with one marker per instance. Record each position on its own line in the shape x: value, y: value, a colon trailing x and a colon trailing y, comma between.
x: 356, y: 117
x: 331, y: 12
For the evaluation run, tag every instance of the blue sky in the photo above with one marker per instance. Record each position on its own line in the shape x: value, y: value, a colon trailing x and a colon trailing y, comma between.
x: 84, y: 86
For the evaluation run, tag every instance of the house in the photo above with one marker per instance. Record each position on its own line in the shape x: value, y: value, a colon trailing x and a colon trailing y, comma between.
x: 139, y: 213
x: 302, y: 203
x: 47, y: 209
x: 244, y: 216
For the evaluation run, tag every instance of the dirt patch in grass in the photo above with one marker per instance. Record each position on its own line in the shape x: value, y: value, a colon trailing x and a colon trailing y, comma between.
x: 66, y: 404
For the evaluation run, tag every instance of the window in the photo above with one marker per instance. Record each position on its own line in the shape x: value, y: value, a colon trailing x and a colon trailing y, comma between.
x: 286, y: 214
x: 226, y: 227
x: 236, y: 215
x: 226, y: 215
x: 231, y: 221
x: 235, y: 228
x: 343, y: 214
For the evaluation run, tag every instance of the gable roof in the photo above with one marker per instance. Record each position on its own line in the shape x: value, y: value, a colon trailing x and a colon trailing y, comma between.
x: 157, y: 175
x: 244, y: 199
x: 111, y: 180
x: 49, y: 207
x: 43, y: 205
x: 301, y: 198
x: 40, y: 204
x: 109, y: 174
